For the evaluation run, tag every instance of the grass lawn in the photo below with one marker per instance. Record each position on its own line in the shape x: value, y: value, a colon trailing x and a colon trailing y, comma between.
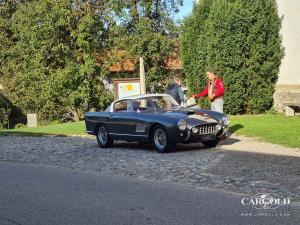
x: 274, y: 128
x: 270, y: 127
x: 57, y: 129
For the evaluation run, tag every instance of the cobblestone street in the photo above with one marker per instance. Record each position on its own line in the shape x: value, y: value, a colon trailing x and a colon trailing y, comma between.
x: 222, y: 168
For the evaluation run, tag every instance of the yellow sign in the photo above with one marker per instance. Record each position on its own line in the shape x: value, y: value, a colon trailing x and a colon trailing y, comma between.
x: 129, y: 87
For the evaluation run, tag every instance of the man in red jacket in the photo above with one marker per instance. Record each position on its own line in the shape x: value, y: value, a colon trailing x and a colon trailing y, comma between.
x: 215, y: 91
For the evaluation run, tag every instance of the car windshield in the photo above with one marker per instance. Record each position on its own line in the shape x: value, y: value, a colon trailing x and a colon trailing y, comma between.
x: 164, y: 102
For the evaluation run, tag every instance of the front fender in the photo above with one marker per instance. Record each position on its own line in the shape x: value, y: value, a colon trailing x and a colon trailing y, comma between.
x: 170, y: 125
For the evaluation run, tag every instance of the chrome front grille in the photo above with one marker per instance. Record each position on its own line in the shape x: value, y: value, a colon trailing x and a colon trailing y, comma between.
x: 207, y: 129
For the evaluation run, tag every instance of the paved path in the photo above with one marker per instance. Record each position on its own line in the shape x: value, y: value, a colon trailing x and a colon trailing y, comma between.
x: 39, y: 195
x: 240, y: 143
x: 233, y: 166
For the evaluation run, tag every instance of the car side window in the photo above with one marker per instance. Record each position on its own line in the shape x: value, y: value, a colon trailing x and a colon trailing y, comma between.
x: 121, y: 106
x: 139, y: 105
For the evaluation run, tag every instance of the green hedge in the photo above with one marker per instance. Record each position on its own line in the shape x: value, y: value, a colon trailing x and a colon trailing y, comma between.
x: 239, y: 39
x: 4, y: 112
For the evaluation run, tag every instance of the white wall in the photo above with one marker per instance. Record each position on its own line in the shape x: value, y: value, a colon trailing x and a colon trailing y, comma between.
x: 290, y: 65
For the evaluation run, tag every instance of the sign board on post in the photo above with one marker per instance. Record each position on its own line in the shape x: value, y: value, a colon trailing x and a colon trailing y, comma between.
x: 126, y: 87
x: 32, y: 120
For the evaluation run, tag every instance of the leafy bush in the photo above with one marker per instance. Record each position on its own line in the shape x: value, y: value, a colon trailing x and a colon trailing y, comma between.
x: 240, y: 41
x: 272, y: 111
x: 19, y: 125
x: 4, y: 114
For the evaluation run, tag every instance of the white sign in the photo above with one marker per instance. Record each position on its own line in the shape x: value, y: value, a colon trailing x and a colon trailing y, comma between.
x: 129, y: 89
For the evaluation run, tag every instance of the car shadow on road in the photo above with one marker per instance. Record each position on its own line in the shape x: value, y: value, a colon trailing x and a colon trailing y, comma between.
x: 133, y: 145
x: 259, y: 172
x: 191, y: 147
x: 180, y: 147
x: 149, y: 147
x: 229, y: 141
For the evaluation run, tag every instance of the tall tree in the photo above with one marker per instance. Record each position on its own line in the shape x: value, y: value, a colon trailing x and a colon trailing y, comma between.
x: 7, y: 8
x: 51, y: 67
x: 262, y: 55
x: 193, y: 46
x: 148, y: 31
x: 240, y: 40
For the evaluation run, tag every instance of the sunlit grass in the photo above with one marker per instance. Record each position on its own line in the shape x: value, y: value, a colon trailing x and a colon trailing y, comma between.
x: 274, y: 128
x: 77, y: 128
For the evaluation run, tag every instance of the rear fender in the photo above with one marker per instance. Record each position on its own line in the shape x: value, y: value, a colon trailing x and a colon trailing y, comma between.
x: 94, y: 119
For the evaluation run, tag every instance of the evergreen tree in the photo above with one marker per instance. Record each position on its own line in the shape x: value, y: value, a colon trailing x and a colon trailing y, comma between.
x: 263, y: 54
x: 240, y: 41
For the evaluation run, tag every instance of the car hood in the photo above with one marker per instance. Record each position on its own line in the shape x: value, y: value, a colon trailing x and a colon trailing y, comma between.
x: 192, y: 117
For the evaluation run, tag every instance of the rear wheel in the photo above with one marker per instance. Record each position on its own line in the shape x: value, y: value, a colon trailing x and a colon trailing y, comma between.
x: 211, y: 143
x: 161, y: 141
x: 103, y: 138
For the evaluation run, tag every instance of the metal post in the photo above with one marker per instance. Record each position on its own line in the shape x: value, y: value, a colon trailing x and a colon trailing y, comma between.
x: 142, y: 76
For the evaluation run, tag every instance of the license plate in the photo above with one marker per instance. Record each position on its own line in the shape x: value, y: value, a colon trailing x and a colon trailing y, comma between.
x: 208, y: 137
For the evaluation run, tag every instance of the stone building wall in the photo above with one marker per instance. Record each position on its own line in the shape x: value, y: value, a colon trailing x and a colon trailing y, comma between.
x: 288, y: 85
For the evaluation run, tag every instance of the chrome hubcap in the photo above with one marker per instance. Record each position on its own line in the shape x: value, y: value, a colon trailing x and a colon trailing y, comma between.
x: 160, y: 138
x: 102, y: 135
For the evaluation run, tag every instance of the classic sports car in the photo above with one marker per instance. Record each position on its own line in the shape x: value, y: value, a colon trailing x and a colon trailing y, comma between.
x: 156, y: 119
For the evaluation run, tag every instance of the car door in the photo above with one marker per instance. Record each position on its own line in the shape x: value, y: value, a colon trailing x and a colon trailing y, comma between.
x: 121, y: 118
x: 140, y: 117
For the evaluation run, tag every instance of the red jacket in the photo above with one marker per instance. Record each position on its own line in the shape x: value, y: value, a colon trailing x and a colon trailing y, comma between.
x: 218, y: 89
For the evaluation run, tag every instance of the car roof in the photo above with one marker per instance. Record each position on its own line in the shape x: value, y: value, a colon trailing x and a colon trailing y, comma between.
x: 142, y: 96
x: 133, y: 97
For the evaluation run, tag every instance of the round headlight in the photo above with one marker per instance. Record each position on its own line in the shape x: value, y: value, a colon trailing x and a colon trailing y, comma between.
x: 218, y: 127
x: 181, y: 125
x: 195, y: 130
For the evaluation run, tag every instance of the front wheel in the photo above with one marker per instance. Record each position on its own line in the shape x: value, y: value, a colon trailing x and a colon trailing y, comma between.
x: 161, y: 141
x: 211, y: 143
x: 103, y: 138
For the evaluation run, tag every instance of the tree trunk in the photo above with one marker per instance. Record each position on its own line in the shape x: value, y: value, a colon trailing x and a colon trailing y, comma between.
x: 76, y: 114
